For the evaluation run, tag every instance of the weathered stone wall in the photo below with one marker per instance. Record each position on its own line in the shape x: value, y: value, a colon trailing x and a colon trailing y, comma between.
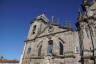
x: 69, y: 40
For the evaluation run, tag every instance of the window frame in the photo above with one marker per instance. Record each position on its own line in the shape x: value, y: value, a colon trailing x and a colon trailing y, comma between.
x: 61, y: 50
x: 50, y: 46
x: 28, y: 50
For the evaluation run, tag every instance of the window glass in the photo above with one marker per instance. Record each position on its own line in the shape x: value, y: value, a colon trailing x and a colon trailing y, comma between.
x: 29, y: 50
x: 61, y: 48
x: 50, y: 46
x: 76, y: 49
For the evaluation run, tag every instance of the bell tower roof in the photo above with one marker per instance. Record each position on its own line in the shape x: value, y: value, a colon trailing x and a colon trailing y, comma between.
x: 43, y: 16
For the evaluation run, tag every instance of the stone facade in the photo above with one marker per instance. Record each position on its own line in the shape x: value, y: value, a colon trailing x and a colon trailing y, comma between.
x: 52, y: 44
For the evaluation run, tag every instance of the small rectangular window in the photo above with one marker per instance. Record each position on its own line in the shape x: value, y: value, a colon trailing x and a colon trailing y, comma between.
x: 29, y: 50
x: 76, y: 49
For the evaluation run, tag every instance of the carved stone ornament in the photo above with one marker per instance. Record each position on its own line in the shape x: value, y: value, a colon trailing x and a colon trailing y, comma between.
x: 49, y: 37
x: 50, y: 29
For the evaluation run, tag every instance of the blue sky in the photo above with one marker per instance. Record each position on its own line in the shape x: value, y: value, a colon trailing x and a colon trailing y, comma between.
x: 16, y: 15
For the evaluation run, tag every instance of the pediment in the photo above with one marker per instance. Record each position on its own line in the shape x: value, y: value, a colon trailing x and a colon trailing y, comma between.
x: 51, y: 29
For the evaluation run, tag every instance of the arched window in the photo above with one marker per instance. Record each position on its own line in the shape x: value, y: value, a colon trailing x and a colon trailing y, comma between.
x: 34, y: 29
x: 39, y: 50
x: 61, y: 48
x: 50, y: 46
x: 28, y: 50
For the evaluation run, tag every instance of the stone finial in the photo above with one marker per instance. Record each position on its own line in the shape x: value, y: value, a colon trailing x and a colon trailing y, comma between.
x: 58, y: 21
x: 79, y: 12
x: 53, y: 19
x: 85, y: 0
x: 84, y: 4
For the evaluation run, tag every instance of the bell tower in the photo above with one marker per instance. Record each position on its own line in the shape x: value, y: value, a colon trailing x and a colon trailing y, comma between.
x: 33, y: 48
x: 37, y: 26
x: 87, y: 34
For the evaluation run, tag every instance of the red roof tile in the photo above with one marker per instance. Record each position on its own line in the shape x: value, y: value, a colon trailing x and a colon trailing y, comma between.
x: 9, y: 61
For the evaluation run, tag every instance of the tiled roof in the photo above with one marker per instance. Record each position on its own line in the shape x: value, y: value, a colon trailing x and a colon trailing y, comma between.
x: 9, y: 61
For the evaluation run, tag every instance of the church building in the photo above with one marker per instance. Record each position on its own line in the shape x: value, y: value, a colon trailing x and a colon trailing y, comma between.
x: 49, y: 43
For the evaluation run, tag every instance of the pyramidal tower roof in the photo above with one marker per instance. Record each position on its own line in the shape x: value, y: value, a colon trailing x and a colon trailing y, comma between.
x: 43, y: 16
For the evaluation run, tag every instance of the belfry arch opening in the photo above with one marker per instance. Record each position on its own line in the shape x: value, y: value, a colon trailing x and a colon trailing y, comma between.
x: 34, y: 29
